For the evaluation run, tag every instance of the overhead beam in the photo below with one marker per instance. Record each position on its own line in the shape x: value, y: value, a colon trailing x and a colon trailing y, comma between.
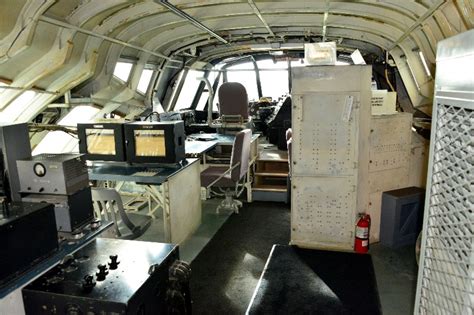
x: 8, y: 87
x: 56, y: 22
x: 191, y: 20
x: 417, y: 23
x: 259, y: 15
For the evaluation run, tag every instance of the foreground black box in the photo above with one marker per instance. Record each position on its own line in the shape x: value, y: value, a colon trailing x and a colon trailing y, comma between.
x: 28, y: 234
x: 91, y: 283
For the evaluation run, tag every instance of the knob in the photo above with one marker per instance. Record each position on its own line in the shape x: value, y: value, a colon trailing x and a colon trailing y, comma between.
x: 113, y: 264
x: 88, y: 284
x: 102, y: 272
x: 73, y: 310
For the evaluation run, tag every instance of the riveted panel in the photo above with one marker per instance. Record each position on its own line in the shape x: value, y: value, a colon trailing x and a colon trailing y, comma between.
x: 323, y: 211
x: 325, y: 137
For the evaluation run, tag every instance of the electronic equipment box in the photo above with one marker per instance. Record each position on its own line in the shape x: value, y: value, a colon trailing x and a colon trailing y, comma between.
x: 14, y: 145
x: 102, y: 141
x: 108, y: 276
x: 155, y: 142
x: 56, y: 174
x: 28, y: 234
x: 71, y: 211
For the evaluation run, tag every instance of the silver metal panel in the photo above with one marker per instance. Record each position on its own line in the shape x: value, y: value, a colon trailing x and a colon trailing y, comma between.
x: 446, y: 276
x: 323, y: 212
x: 455, y: 61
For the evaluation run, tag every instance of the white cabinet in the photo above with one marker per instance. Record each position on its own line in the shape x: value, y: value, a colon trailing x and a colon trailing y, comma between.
x: 331, y: 125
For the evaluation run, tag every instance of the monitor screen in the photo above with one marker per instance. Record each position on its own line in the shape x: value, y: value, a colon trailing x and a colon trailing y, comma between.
x: 149, y: 142
x: 100, y: 141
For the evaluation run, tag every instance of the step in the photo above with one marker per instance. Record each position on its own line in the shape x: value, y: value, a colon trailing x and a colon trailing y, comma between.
x: 261, y: 195
x: 273, y: 156
x: 273, y: 188
x: 272, y: 174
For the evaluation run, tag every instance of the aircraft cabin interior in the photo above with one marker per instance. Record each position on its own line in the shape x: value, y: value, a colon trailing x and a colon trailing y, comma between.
x: 236, y: 157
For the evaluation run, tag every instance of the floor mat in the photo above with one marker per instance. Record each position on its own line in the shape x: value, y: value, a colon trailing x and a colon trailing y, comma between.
x: 227, y: 270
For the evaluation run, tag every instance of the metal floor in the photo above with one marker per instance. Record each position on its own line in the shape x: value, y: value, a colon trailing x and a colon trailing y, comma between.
x: 228, y: 253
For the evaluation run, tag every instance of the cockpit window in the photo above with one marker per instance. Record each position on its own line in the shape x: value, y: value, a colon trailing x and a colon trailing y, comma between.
x: 189, y: 89
x: 273, y: 77
x: 244, y: 73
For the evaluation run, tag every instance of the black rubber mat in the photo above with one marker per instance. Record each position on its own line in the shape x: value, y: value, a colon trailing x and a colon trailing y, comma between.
x: 302, y: 281
x: 226, y: 272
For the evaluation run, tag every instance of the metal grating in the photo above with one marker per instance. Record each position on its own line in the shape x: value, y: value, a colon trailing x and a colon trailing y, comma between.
x: 447, y: 279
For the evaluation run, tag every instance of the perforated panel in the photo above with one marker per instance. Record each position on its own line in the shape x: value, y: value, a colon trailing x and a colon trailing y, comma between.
x: 324, y: 211
x: 447, y: 266
x: 325, y: 139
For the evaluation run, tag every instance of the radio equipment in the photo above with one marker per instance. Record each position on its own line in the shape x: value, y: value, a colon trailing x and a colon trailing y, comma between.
x: 28, y: 234
x: 111, y: 276
x: 56, y: 174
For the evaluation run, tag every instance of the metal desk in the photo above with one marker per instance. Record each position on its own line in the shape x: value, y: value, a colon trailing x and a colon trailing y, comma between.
x: 175, y: 188
x: 11, y: 301
x: 197, y: 148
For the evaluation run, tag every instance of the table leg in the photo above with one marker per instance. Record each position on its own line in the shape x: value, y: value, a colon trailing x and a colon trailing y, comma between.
x: 161, y: 195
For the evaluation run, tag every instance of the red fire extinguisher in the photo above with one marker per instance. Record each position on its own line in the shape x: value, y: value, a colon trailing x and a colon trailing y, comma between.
x: 361, y: 242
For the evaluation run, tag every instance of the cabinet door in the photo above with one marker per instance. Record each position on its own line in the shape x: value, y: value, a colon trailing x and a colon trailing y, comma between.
x: 325, y: 134
x: 325, y: 169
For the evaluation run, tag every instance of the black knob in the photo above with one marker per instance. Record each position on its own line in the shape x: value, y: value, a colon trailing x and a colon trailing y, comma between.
x: 102, y: 272
x: 73, y: 310
x: 113, y: 264
x: 88, y: 284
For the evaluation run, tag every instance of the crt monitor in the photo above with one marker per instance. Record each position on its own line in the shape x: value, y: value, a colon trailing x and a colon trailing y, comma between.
x: 155, y: 142
x: 102, y: 141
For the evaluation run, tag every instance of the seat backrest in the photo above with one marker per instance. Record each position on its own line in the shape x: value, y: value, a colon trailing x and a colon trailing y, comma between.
x: 109, y: 201
x: 233, y: 100
x: 241, y: 153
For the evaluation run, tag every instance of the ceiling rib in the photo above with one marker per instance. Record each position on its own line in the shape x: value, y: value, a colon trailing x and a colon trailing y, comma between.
x: 192, y: 20
x: 417, y: 23
x: 106, y: 38
x: 325, y: 19
x: 259, y: 15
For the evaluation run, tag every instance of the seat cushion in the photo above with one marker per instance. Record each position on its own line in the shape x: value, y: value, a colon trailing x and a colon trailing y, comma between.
x: 212, y: 173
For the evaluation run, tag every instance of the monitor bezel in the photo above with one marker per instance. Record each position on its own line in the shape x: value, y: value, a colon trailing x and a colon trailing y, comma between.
x: 120, y: 152
x: 170, y: 145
